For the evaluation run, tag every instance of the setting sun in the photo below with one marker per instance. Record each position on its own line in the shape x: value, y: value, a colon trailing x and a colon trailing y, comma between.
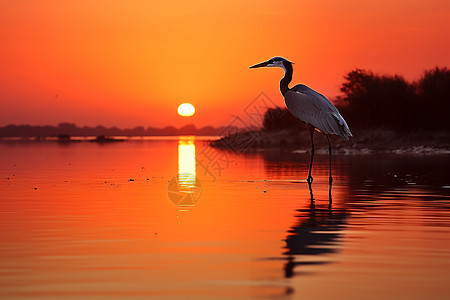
x: 186, y: 110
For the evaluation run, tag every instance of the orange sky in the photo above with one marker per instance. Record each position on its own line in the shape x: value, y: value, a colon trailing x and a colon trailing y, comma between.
x: 131, y: 63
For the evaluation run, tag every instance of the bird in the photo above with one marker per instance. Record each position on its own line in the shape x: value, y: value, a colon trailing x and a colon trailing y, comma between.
x: 310, y: 107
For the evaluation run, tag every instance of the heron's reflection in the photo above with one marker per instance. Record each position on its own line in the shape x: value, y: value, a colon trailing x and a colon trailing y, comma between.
x: 184, y: 190
x: 316, y: 232
x: 311, y: 194
x: 318, y: 226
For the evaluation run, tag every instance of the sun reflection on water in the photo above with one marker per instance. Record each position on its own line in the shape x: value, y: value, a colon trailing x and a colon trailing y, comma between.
x: 186, y: 164
x: 184, y: 190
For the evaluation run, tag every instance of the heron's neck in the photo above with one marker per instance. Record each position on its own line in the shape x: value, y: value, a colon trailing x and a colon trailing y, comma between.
x: 284, y: 83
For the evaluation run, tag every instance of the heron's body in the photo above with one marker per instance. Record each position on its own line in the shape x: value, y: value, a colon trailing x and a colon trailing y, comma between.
x: 309, y: 106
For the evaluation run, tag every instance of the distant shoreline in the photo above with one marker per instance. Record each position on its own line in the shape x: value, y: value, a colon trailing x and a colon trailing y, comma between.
x: 107, y: 139
x: 72, y: 130
x: 424, y: 142
x: 363, y: 142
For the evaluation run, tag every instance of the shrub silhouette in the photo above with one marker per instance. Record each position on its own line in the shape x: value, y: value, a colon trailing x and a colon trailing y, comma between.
x: 373, y: 101
x: 385, y: 101
x: 279, y: 119
x: 433, y: 92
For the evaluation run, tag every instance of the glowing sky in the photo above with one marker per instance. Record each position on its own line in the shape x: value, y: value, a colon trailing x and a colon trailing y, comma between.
x: 131, y: 63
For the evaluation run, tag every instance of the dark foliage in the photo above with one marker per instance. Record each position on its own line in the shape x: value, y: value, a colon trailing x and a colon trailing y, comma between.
x: 375, y: 101
x: 433, y: 92
x: 278, y: 119
x: 384, y: 101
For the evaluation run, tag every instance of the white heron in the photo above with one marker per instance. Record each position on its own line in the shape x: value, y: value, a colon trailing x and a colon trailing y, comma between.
x: 310, y: 107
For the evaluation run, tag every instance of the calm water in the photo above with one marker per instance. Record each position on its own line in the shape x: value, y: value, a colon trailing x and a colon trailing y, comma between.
x: 175, y: 219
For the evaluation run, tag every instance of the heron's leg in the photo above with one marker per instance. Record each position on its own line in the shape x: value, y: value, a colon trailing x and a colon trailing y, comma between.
x: 311, y: 191
x: 329, y: 152
x: 330, y: 197
x: 311, y: 130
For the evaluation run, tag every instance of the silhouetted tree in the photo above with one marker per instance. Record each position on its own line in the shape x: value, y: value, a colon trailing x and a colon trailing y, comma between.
x: 433, y: 92
x: 278, y: 119
x: 138, y: 131
x: 370, y: 100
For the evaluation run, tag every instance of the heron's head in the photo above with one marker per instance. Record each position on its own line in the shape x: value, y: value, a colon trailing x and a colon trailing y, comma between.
x: 273, y: 62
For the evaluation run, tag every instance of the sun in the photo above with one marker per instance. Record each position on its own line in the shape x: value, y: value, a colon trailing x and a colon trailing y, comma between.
x: 186, y: 110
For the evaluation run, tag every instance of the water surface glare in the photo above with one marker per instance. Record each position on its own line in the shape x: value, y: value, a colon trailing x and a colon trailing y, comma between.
x: 175, y: 219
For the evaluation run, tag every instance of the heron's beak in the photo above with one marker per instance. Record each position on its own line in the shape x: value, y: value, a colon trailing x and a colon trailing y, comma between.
x: 263, y: 64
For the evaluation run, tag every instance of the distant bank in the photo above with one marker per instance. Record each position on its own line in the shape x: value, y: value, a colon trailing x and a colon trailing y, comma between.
x: 364, y: 141
x: 69, y: 129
